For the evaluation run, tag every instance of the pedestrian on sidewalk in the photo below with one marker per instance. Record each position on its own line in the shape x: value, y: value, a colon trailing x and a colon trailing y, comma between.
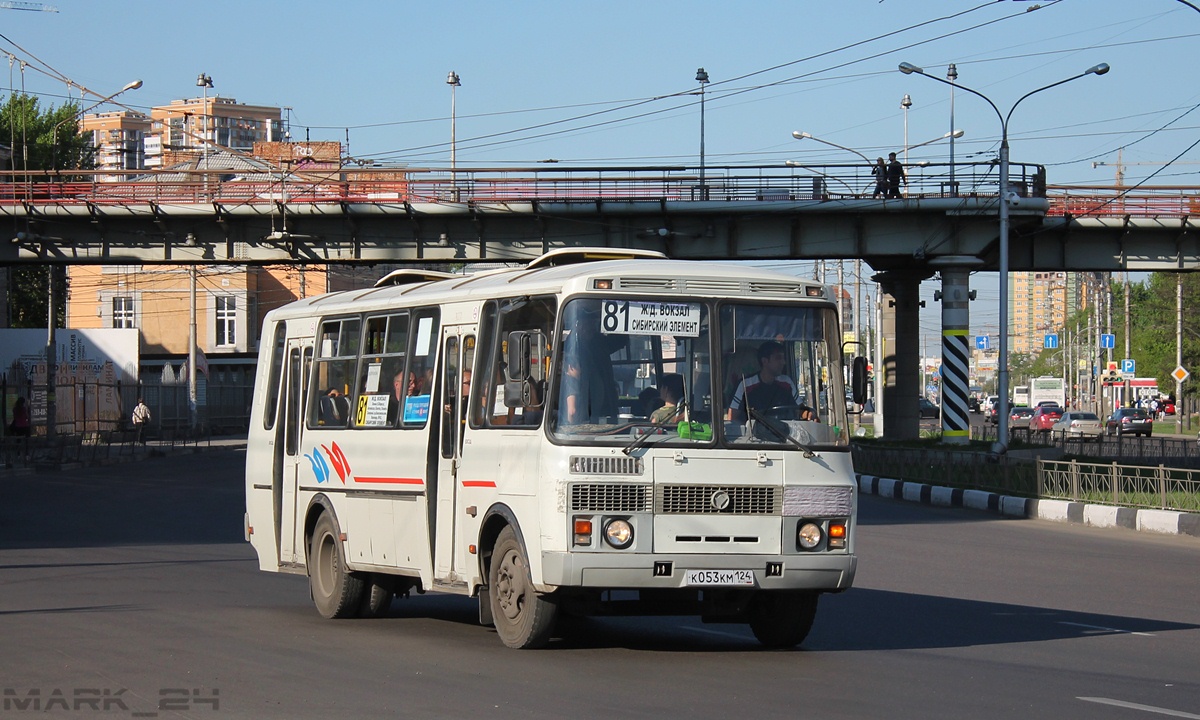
x: 141, y: 419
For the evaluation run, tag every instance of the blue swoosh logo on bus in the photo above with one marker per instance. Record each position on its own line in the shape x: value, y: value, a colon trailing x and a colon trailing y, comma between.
x: 319, y: 464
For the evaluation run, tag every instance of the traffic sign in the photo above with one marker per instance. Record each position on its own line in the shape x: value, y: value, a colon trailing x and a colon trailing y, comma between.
x: 983, y: 342
x: 1108, y: 341
x: 1180, y: 374
x: 1051, y: 341
x: 1127, y: 366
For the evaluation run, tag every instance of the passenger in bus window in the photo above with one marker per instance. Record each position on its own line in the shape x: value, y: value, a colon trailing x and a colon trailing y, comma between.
x: 335, y: 409
x: 589, y: 390
x: 671, y: 391
x: 767, y: 389
x: 396, y: 399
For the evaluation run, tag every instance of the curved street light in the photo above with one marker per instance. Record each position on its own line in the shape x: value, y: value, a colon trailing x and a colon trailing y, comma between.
x: 54, y: 135
x: 1002, y: 388
x: 950, y: 135
x: 803, y: 135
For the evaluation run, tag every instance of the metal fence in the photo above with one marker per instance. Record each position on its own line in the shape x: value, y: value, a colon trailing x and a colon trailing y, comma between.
x: 1102, y: 482
x: 96, y: 406
x: 1139, y: 486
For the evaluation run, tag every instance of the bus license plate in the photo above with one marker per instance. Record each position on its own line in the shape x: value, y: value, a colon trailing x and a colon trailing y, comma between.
x: 719, y: 577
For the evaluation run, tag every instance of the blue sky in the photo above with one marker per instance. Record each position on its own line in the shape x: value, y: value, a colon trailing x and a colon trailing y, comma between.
x: 608, y: 82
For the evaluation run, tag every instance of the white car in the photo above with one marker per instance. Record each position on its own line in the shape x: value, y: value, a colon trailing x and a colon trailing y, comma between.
x: 990, y: 402
x: 1079, y: 424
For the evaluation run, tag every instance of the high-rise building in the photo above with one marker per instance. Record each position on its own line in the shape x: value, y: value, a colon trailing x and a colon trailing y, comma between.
x: 118, y: 141
x: 180, y: 130
x: 1041, y: 303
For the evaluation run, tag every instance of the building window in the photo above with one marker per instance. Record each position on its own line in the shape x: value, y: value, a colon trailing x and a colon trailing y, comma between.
x: 122, y: 315
x: 226, y: 320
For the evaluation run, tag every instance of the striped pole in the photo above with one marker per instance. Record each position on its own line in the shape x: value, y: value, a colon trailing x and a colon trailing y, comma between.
x: 956, y: 355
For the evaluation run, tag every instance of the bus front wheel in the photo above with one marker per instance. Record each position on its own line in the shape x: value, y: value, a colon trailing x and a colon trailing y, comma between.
x: 523, y: 617
x: 336, y: 591
x: 782, y: 619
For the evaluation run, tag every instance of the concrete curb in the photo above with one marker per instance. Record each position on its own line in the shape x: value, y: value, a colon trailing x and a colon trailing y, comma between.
x: 1163, y: 522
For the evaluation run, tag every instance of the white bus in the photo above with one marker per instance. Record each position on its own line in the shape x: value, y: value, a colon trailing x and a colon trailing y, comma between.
x: 495, y: 435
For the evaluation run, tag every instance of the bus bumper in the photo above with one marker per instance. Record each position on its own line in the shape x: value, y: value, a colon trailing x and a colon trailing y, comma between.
x: 824, y: 572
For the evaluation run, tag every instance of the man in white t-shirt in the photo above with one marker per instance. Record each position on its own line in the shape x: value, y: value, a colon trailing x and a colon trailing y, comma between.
x: 766, y: 389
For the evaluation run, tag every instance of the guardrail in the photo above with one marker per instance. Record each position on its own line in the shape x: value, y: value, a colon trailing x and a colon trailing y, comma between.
x: 1140, y: 486
x: 1109, y: 483
x: 759, y: 183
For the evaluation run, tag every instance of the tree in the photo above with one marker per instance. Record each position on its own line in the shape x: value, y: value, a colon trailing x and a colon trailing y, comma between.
x: 41, y: 140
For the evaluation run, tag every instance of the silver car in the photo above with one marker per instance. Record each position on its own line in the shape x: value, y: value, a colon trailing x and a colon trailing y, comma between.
x: 1079, y: 424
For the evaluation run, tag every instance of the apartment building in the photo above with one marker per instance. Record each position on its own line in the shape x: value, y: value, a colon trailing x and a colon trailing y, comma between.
x: 231, y: 301
x: 118, y: 141
x: 181, y: 129
x: 1040, y: 304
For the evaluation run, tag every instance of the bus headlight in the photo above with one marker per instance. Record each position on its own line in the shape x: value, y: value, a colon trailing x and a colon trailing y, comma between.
x: 808, y: 536
x: 618, y: 533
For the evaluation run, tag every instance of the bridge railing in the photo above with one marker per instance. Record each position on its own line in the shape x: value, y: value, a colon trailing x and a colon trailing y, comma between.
x: 1146, y: 201
x: 673, y: 184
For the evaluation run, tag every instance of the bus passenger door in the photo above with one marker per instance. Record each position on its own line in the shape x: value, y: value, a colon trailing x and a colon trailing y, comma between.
x: 299, y: 359
x: 457, y: 357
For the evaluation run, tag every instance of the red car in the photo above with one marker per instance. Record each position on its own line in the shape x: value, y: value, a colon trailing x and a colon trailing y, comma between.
x: 1044, y: 417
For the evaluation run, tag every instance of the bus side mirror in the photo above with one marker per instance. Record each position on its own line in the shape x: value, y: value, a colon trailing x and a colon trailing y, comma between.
x: 858, y: 380
x: 526, y: 355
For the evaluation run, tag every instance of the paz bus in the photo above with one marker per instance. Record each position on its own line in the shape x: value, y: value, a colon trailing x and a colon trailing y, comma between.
x: 499, y: 435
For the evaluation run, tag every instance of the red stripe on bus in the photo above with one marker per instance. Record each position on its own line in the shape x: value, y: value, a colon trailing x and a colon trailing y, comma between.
x: 479, y: 483
x: 396, y: 481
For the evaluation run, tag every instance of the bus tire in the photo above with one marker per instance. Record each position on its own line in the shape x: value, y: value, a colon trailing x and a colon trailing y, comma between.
x: 524, y: 618
x: 376, y: 599
x: 782, y: 619
x: 336, y: 591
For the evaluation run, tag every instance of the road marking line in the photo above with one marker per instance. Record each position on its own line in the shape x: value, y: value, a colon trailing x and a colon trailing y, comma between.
x: 1108, y: 629
x: 1135, y: 706
x: 713, y: 632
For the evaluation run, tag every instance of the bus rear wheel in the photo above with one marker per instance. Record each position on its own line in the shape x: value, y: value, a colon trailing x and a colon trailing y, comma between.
x: 336, y: 592
x: 782, y: 619
x: 523, y: 617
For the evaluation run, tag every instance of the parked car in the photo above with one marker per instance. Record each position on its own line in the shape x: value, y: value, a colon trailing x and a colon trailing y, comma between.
x: 1079, y: 424
x: 928, y: 409
x: 1167, y: 407
x: 1044, y: 417
x: 1018, y: 418
x: 1129, y: 420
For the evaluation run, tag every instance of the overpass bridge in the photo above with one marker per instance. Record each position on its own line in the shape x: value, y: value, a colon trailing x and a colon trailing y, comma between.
x: 946, y: 223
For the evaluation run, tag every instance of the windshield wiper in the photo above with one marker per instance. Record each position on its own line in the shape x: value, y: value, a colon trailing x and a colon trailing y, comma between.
x: 774, y: 429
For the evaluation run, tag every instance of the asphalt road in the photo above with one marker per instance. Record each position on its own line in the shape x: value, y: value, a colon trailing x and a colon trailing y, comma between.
x: 129, y: 589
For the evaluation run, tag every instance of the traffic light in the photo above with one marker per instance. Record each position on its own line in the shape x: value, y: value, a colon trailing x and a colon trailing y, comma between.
x: 1113, y: 377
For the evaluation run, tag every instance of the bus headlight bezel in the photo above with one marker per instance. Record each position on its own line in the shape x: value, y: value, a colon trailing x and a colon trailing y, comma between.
x: 618, y: 533
x: 809, y: 535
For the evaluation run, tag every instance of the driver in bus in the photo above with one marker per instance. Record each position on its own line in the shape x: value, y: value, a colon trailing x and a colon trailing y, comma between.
x: 769, y: 388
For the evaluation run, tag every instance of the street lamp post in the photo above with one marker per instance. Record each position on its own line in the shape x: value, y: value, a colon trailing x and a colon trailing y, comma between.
x: 906, y: 103
x: 74, y: 116
x: 952, y: 76
x: 204, y: 82
x: 702, y: 78
x: 951, y: 135
x: 453, y: 81
x: 803, y: 135
x: 1002, y: 370
x: 54, y: 274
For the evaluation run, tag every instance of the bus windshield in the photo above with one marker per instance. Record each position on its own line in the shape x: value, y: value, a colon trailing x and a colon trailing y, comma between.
x: 628, y: 368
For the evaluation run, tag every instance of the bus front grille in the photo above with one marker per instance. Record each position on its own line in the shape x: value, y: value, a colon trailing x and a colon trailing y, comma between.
x: 718, y: 499
x: 605, y: 465
x: 610, y: 497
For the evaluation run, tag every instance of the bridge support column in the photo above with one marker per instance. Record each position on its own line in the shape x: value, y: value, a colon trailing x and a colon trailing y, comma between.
x: 900, y: 352
x: 955, y: 297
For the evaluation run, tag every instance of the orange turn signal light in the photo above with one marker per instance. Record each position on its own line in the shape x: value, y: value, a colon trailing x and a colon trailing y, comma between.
x: 583, y: 531
x: 837, y: 531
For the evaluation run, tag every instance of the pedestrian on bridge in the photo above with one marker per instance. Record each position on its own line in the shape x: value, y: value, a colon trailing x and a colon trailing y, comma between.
x: 879, y: 172
x: 895, y: 176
